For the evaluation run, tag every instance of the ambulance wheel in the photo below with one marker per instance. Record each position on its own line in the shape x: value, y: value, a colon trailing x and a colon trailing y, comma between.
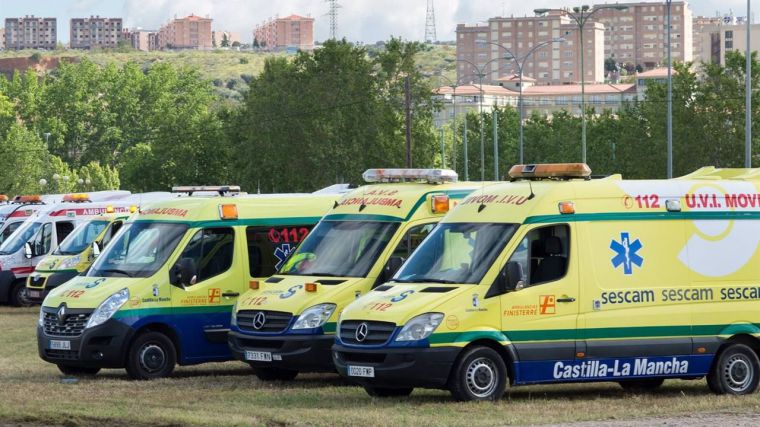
x: 388, y: 392
x: 152, y: 355
x: 77, y: 370
x: 275, y: 374
x: 736, y: 371
x: 642, y: 385
x: 19, y: 297
x: 479, y: 374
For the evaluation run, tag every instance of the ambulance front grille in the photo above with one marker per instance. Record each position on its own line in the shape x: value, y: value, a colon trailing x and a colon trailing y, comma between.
x: 271, y: 322
x: 377, y: 333
x: 72, y: 326
x: 37, y: 281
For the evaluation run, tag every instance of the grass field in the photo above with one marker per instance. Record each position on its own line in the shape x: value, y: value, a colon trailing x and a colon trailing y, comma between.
x: 34, y: 392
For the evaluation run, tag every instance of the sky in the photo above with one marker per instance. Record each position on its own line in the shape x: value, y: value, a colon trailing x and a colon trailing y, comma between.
x: 358, y: 20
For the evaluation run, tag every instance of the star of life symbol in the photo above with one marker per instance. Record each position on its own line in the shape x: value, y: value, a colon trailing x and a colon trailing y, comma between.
x: 282, y: 253
x: 626, y: 253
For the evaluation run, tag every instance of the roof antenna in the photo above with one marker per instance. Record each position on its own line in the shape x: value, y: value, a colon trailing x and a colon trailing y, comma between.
x: 532, y: 194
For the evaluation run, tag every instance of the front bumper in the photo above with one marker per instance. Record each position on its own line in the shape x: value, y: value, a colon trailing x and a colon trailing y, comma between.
x: 7, y: 278
x: 103, y: 346
x: 402, y: 367
x: 304, y: 353
x: 36, y: 292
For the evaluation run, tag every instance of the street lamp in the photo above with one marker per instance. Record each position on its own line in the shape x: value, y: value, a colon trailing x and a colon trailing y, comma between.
x: 520, y: 63
x: 581, y: 15
x: 453, y: 85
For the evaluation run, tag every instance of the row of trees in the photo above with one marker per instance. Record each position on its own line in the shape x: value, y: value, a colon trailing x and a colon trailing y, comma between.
x: 324, y: 117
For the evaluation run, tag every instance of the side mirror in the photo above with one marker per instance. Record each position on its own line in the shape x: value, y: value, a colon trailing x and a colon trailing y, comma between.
x: 391, y: 267
x: 28, y: 253
x: 95, y: 249
x: 184, y: 273
x: 508, y: 280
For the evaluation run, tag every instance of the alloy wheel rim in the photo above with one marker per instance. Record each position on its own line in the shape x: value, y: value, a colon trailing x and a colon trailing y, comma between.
x: 482, y: 377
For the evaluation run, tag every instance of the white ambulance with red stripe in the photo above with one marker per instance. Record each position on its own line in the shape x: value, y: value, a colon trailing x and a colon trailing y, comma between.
x: 40, y: 234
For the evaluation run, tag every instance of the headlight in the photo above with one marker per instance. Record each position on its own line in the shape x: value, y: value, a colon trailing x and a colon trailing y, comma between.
x: 233, y: 320
x: 107, y: 308
x: 420, y: 327
x: 314, y: 317
x: 70, y: 262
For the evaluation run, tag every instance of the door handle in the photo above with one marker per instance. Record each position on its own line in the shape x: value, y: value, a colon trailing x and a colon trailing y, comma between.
x: 566, y: 299
x: 231, y: 294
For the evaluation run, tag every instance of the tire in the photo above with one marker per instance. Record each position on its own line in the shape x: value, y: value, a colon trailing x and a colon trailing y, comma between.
x: 275, y: 374
x: 151, y: 355
x: 77, y: 370
x: 642, y: 385
x: 18, y: 297
x: 388, y: 392
x: 479, y: 374
x: 736, y: 371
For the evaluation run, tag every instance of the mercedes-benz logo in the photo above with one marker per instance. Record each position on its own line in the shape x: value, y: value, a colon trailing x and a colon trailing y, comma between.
x: 62, y: 314
x: 259, y: 319
x: 361, y: 331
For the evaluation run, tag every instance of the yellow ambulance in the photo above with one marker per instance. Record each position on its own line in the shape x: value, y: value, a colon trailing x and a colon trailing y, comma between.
x: 161, y: 293
x: 556, y: 277
x: 286, y: 324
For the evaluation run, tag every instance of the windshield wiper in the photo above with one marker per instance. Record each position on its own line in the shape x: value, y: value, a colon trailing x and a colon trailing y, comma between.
x: 425, y: 280
x: 323, y: 274
x: 116, y: 270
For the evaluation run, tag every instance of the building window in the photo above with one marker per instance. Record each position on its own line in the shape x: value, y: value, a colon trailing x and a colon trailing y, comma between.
x: 729, y: 35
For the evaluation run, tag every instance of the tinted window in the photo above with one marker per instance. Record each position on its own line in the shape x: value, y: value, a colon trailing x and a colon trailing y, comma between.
x: 269, y: 247
x: 543, y: 254
x: 62, y: 230
x: 212, y: 250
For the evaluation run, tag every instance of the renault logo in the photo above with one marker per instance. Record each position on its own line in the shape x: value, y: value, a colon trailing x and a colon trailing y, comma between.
x: 259, y: 320
x: 361, y: 331
x: 62, y: 314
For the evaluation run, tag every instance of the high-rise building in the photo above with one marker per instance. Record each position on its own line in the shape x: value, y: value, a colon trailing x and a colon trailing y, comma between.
x: 95, y: 32
x: 190, y: 32
x: 30, y: 32
x: 717, y: 40
x: 292, y: 32
x: 699, y: 23
x: 638, y: 34
x: 483, y: 45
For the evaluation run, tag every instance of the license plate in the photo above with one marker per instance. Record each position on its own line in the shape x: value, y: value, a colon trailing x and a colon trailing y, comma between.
x: 258, y: 356
x: 34, y: 294
x: 361, y: 371
x: 60, y: 345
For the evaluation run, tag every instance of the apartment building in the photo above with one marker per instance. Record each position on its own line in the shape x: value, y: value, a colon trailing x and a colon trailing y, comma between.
x: 144, y: 40
x: 638, y: 34
x: 699, y: 23
x: 291, y: 32
x: 95, y: 32
x: 2, y: 38
x: 717, y: 40
x: 30, y: 32
x: 190, y: 32
x: 483, y: 47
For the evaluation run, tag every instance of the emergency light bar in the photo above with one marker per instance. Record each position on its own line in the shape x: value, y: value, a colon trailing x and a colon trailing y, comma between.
x: 221, y: 189
x: 433, y: 176
x: 76, y: 198
x: 550, y: 170
x: 3, y: 198
x: 27, y: 199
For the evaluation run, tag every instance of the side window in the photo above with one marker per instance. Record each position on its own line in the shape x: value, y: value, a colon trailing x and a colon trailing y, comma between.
x: 62, y: 230
x: 543, y: 254
x: 269, y: 247
x: 41, y: 242
x: 9, y: 230
x: 212, y: 250
x: 413, y: 237
x: 115, y: 227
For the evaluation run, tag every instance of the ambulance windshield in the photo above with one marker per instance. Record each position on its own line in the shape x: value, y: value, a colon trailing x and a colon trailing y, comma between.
x: 340, y: 249
x: 22, y: 235
x: 140, y: 249
x: 81, y: 238
x: 458, y: 253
